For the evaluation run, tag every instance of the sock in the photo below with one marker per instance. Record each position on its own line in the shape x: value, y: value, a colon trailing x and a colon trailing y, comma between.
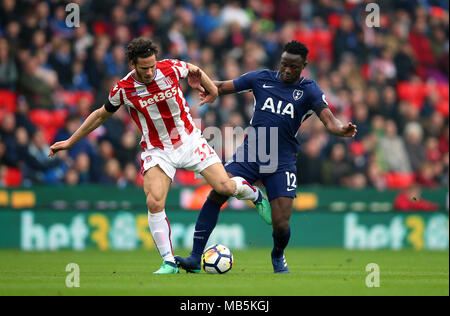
x: 207, y: 220
x: 160, y: 230
x: 244, y: 190
x: 280, y: 242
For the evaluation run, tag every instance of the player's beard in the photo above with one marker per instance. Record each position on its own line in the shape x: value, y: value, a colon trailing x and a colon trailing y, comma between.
x: 143, y: 78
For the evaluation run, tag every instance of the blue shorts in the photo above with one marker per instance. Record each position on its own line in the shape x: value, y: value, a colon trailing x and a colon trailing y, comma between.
x: 282, y: 182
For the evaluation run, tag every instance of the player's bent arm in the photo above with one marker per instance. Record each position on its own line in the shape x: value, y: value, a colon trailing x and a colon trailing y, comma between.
x: 335, y: 127
x: 225, y: 87
x: 94, y: 120
x: 205, y: 81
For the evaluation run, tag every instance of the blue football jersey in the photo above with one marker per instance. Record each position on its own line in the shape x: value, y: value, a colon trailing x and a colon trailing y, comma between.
x: 280, y: 109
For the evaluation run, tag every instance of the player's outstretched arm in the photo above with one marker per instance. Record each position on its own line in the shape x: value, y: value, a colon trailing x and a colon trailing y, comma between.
x: 225, y: 87
x: 335, y: 127
x: 199, y: 80
x: 94, y: 120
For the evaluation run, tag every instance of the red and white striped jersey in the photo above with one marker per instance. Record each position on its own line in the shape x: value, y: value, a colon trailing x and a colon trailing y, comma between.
x: 158, y: 108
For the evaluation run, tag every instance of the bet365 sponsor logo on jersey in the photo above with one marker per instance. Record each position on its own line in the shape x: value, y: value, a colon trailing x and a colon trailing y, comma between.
x: 158, y: 97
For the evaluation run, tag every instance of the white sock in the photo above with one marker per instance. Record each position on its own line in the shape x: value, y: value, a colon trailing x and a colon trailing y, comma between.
x: 244, y: 190
x: 160, y: 230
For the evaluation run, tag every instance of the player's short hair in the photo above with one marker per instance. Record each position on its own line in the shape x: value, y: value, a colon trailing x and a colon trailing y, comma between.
x: 141, y: 47
x: 296, y: 48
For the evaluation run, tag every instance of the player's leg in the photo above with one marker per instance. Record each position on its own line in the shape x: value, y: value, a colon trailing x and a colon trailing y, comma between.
x: 238, y: 187
x: 209, y: 215
x: 281, y: 190
x: 217, y: 177
x: 156, y: 188
x: 206, y: 222
x: 281, y: 214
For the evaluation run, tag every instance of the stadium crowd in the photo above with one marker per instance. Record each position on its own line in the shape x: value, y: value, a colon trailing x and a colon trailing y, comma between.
x: 391, y: 80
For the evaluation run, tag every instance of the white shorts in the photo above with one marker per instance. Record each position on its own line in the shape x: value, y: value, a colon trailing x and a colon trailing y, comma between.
x: 194, y: 155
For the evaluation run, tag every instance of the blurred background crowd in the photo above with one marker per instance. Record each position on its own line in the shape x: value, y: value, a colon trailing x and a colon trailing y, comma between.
x: 391, y: 80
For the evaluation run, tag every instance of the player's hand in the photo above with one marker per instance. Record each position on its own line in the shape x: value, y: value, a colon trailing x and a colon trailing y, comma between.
x: 62, y: 145
x: 195, y: 80
x: 349, y: 130
x: 206, y: 97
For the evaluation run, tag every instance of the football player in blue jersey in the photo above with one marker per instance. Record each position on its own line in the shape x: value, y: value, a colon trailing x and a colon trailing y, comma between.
x: 283, y: 101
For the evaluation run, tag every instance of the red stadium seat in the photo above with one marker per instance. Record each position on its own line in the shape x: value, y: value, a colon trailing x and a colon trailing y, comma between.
x: 12, y: 178
x: 72, y: 98
x: 8, y: 100
x: 85, y: 94
x: 69, y: 98
x: 412, y: 92
x: 443, y: 90
x: 41, y: 118
x: 59, y: 117
x: 397, y: 180
x: 334, y: 20
x: 443, y: 107
x: 49, y: 133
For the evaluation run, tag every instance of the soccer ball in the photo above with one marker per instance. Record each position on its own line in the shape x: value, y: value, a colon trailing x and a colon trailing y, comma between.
x: 217, y: 259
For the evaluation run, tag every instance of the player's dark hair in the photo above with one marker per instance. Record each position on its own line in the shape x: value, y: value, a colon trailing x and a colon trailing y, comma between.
x: 296, y: 48
x: 141, y: 47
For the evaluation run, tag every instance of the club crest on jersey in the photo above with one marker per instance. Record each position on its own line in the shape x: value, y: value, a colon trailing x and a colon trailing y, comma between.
x: 167, y: 83
x: 297, y: 94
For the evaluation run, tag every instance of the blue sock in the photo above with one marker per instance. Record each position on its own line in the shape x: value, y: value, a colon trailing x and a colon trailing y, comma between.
x: 280, y: 242
x: 207, y: 220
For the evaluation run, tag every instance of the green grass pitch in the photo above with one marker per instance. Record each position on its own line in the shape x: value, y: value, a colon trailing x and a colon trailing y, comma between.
x: 313, y: 272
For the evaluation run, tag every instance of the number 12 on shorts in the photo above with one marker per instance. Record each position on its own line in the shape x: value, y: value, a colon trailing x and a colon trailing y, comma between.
x: 291, y: 181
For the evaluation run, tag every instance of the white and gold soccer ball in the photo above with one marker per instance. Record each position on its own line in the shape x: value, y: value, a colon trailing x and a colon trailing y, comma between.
x: 217, y: 259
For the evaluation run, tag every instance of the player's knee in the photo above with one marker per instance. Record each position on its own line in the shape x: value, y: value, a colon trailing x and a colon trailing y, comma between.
x: 226, y: 188
x: 280, y: 224
x: 218, y: 198
x: 154, y: 205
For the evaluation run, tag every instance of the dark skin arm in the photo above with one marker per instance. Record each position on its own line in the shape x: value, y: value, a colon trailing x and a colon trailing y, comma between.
x: 224, y: 87
x: 335, y: 127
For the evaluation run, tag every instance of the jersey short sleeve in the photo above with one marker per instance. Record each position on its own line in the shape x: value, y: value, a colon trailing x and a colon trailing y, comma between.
x: 317, y: 100
x: 181, y: 68
x: 115, y: 99
x: 246, y: 81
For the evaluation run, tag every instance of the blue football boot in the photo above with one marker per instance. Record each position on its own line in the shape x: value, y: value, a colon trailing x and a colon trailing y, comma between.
x: 190, y: 264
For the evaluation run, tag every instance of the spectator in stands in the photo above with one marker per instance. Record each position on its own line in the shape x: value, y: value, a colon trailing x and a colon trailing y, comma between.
x: 393, y: 150
x: 8, y: 69
x: 414, y: 145
x: 129, y: 178
x: 37, y: 169
x: 61, y: 61
x: 73, y: 121
x: 112, y: 172
x: 309, y: 166
x: 82, y: 167
x: 80, y: 80
x: 336, y: 166
x: 37, y: 92
x: 228, y: 38
x: 127, y: 151
x: 7, y: 134
x: 72, y: 178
